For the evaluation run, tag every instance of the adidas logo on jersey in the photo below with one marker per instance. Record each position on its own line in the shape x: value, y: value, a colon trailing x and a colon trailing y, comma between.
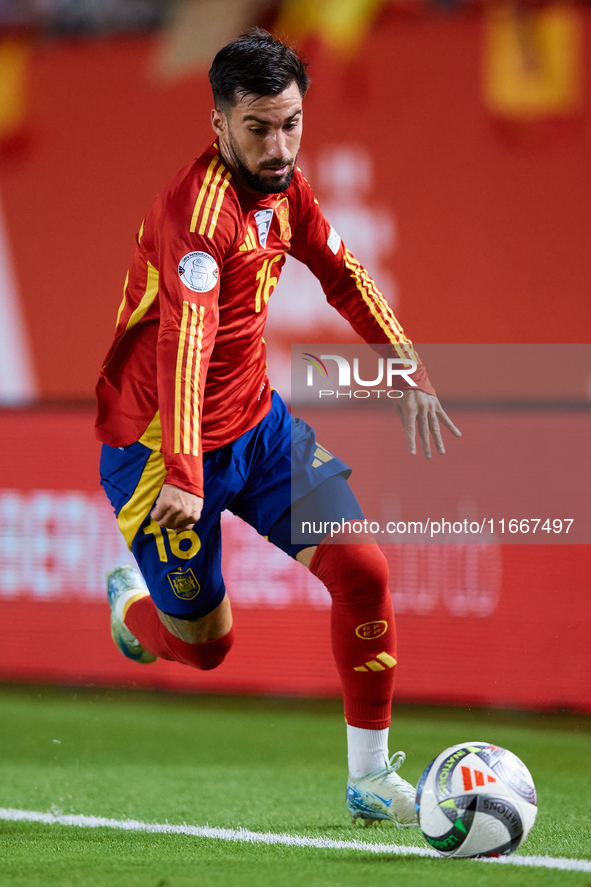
x: 249, y: 242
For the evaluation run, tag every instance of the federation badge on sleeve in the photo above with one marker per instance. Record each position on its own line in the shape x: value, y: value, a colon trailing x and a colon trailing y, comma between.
x: 334, y: 241
x: 199, y: 272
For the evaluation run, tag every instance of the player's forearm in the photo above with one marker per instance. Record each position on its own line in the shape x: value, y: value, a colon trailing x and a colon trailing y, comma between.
x: 357, y: 298
x: 189, y: 480
x: 181, y: 447
x: 182, y: 369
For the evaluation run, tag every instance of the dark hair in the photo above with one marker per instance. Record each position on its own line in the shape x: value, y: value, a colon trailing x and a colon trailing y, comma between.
x: 255, y: 63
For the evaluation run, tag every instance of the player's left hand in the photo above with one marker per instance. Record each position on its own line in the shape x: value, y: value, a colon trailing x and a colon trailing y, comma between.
x: 176, y: 509
x: 416, y: 406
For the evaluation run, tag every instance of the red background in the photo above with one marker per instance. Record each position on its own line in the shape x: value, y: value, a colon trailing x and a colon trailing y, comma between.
x: 493, y: 226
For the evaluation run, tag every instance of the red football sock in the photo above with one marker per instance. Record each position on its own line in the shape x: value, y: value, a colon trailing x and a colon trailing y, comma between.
x: 144, y: 623
x: 363, y: 632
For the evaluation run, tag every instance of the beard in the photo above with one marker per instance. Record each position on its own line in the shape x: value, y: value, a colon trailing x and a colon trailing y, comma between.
x: 260, y: 183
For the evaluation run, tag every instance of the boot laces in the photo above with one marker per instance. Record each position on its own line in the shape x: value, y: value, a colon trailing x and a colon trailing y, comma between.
x: 388, y: 775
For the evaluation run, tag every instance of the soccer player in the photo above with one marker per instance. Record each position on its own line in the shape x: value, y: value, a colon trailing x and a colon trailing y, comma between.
x: 190, y: 425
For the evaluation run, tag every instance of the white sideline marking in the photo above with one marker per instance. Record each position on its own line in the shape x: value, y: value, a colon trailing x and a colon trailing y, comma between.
x: 229, y: 834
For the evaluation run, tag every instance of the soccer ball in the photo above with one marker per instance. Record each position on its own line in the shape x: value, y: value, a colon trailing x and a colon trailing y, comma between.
x: 476, y: 799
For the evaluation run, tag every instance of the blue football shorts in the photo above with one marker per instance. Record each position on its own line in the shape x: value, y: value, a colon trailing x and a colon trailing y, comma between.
x: 258, y: 477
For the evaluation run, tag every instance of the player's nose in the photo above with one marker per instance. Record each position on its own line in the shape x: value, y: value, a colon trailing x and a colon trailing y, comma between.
x: 277, y: 145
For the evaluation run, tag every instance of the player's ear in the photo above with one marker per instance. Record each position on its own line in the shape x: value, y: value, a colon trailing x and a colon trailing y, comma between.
x: 218, y: 121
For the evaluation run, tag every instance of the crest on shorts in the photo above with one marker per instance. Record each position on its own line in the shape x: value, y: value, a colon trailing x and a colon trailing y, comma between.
x: 199, y: 272
x: 282, y: 211
x: 184, y: 584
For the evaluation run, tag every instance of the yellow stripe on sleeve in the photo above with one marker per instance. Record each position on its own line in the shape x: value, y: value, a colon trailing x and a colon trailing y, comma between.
x: 380, y: 314
x: 405, y: 349
x: 196, y: 382
x: 188, y: 380
x: 202, y: 192
x: 212, y: 189
x: 216, y: 212
x: 179, y: 379
x: 386, y: 310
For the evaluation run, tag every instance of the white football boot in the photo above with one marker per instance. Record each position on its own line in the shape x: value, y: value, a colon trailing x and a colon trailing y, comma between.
x: 383, y: 794
x: 125, y: 585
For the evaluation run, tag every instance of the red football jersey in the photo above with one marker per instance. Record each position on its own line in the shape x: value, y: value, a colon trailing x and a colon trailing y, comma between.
x: 187, y: 370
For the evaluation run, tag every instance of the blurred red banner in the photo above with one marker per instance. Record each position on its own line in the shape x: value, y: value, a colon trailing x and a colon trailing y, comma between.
x: 486, y: 625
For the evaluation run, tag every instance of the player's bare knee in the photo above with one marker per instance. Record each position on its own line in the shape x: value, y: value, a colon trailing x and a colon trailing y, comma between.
x: 206, y: 628
x: 201, y: 643
x: 196, y: 647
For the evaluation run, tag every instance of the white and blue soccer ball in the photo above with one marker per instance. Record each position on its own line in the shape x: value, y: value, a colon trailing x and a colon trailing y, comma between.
x: 476, y: 799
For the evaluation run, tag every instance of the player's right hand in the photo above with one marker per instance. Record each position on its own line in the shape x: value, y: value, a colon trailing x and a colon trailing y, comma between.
x: 417, y: 407
x: 176, y: 509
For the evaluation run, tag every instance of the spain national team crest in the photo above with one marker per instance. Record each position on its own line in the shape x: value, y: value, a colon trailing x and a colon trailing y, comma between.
x: 184, y: 584
x: 282, y: 211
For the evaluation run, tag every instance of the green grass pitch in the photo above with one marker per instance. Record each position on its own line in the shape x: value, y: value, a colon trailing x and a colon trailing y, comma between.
x: 264, y: 765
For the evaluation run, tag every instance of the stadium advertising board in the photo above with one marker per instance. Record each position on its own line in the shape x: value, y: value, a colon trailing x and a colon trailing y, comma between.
x: 479, y: 623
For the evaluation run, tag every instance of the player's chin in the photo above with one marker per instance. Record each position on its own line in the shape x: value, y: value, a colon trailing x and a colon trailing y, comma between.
x: 270, y: 184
